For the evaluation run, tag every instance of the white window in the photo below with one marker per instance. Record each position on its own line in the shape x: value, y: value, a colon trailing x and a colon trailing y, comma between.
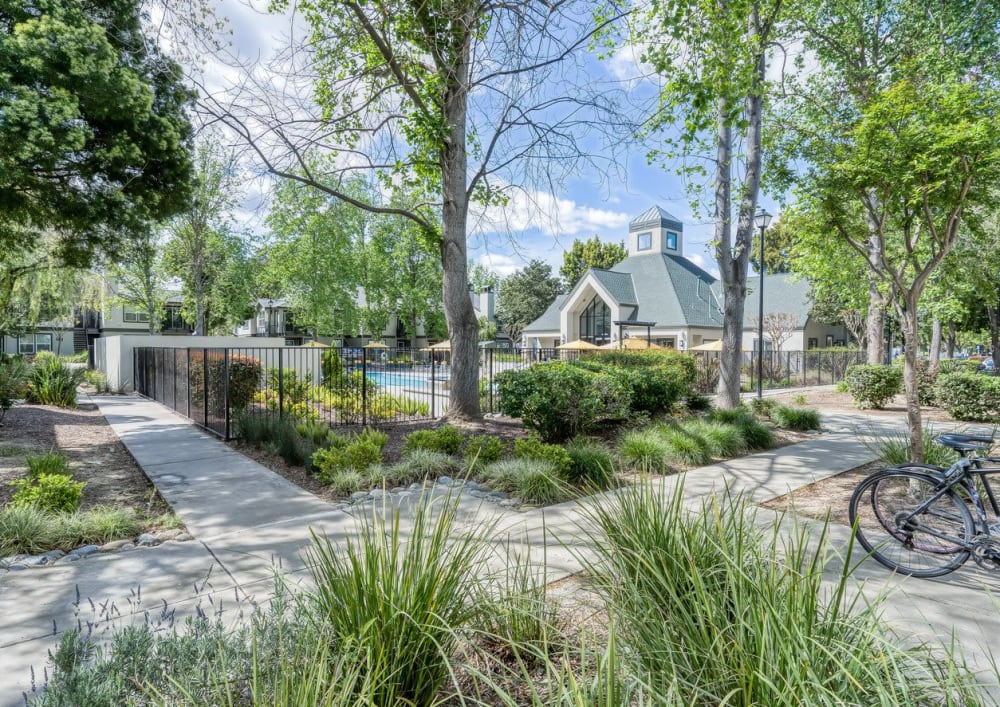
x: 33, y: 343
x: 135, y: 316
x: 671, y: 241
x: 645, y: 241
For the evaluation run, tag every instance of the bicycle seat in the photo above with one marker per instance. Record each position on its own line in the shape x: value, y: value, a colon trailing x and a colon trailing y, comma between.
x: 963, y: 446
x: 966, y: 438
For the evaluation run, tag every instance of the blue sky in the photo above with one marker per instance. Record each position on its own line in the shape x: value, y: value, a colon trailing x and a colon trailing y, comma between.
x: 543, y: 225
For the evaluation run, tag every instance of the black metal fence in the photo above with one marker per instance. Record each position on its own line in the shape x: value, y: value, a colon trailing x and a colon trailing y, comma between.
x: 379, y: 385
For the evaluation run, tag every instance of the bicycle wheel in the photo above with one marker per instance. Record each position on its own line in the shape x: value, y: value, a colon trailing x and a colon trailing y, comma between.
x: 908, y: 524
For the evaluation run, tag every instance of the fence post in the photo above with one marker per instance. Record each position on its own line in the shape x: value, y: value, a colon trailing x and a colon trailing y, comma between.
x: 187, y: 375
x: 226, y: 389
x: 204, y: 373
x: 489, y: 381
x: 433, y: 379
x: 281, y: 383
x: 364, y: 386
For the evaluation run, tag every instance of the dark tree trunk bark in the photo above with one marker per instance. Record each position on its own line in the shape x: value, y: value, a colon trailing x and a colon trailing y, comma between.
x: 951, y: 340
x: 911, y: 337
x: 934, y: 361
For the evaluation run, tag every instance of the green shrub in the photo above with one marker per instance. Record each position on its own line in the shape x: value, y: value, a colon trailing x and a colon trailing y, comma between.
x: 332, y: 368
x: 359, y: 454
x: 346, y: 480
x: 373, y: 437
x: 256, y: 427
x: 51, y: 462
x: 756, y: 433
x: 685, y: 445
x: 873, y: 386
x: 97, y: 526
x: 591, y: 464
x: 446, y: 439
x: 26, y: 528
x: 244, y: 380
x: 644, y: 450
x: 53, y: 382
x: 800, y: 419
x: 15, y: 374
x: 295, y: 449
x: 482, y: 450
x: 49, y: 492
x: 398, y: 601
x: 292, y: 388
x: 555, y: 455
x: 721, y: 439
x: 314, y: 430
x: 969, y: 396
x: 416, y: 465
x: 674, y: 583
x: 531, y: 480
x: 98, y: 380
x: 656, y: 379
x: 698, y: 403
x: 762, y: 407
x: 893, y: 448
x: 560, y: 401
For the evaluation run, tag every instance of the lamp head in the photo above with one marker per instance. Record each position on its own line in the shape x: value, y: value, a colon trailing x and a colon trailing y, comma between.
x: 762, y: 219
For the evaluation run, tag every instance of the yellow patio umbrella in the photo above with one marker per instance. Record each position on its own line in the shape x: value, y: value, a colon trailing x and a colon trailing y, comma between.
x: 577, y: 345
x: 441, y: 346
x: 375, y: 345
x: 710, y: 346
x: 316, y: 345
x: 631, y: 345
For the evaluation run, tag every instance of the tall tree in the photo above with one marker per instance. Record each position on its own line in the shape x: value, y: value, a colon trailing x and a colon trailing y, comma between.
x: 712, y: 57
x: 93, y: 132
x: 138, y: 279
x: 525, y: 295
x: 451, y: 96
x: 201, y: 237
x: 921, y: 154
x: 584, y: 255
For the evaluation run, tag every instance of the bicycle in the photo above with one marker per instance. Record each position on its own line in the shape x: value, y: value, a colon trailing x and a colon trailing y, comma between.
x: 926, y: 521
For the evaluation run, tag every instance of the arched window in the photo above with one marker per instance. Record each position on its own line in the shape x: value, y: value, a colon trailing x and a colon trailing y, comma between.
x: 595, y: 322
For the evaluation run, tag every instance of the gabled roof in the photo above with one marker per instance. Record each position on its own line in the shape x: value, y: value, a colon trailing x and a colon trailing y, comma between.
x: 655, y: 217
x: 618, y: 284
x: 783, y: 293
x: 672, y: 291
x: 549, y: 321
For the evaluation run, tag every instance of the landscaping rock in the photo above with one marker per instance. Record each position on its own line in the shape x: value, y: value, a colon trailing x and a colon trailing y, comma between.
x: 84, y: 551
x: 17, y: 566
x: 8, y: 561
x: 376, y: 494
x: 359, y: 496
x: 115, y: 545
x: 416, y: 487
x: 183, y: 537
x: 444, y: 480
x: 148, y: 540
x: 169, y: 534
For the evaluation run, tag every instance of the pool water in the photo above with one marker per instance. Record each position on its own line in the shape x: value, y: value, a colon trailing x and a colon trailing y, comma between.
x: 398, y: 381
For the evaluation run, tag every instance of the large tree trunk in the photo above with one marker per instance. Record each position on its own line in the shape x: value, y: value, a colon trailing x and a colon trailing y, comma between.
x: 993, y: 314
x: 463, y: 329
x: 911, y: 337
x: 951, y: 340
x: 876, y: 322
x: 734, y: 292
x: 934, y: 361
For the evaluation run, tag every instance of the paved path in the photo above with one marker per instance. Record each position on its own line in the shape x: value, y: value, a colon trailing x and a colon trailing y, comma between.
x: 249, y: 522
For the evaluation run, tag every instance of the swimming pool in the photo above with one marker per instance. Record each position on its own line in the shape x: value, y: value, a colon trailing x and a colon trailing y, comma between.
x: 398, y: 381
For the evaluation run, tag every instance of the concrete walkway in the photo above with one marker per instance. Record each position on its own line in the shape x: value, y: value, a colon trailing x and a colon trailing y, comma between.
x: 250, y: 523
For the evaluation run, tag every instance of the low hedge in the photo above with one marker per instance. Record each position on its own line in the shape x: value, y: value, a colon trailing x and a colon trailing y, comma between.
x: 873, y: 386
x: 560, y: 400
x: 969, y: 396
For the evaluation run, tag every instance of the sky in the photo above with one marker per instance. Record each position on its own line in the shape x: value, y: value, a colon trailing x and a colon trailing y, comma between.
x: 534, y: 225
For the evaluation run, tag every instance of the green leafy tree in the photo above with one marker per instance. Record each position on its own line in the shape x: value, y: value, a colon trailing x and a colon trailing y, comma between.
x: 93, y: 134
x: 205, y: 252
x: 584, y: 255
x: 525, y: 295
x: 481, y: 277
x: 712, y: 57
x: 136, y: 275
x: 451, y: 98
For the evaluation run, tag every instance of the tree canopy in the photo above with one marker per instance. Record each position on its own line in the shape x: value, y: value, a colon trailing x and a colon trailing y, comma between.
x: 93, y: 132
x: 525, y: 295
x: 584, y: 255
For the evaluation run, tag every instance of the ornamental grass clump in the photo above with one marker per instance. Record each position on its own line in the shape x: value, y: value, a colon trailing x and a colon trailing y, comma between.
x: 531, y: 480
x: 592, y: 465
x: 716, y: 610
x: 893, y: 448
x: 53, y: 382
x: 645, y: 450
x: 396, y: 603
x: 793, y: 418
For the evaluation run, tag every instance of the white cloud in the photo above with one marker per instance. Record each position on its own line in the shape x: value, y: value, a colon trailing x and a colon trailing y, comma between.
x: 529, y: 210
x: 626, y: 64
x: 503, y: 265
x: 704, y: 263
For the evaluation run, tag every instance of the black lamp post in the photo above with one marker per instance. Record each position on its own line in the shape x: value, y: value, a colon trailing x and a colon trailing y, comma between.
x: 762, y: 219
